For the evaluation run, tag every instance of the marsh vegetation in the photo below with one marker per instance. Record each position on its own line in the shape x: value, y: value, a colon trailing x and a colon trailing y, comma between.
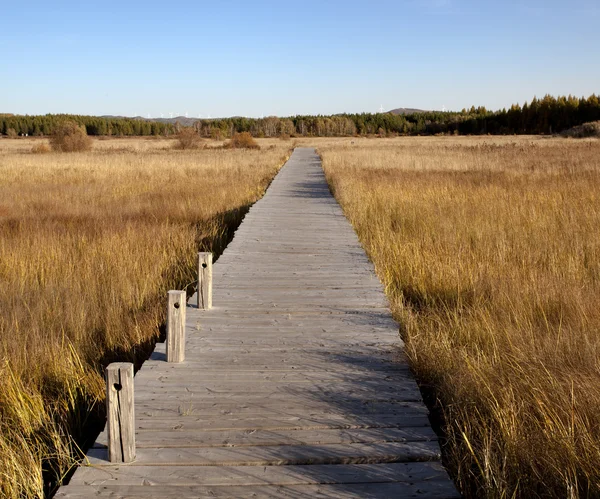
x: 489, y: 251
x: 488, y: 248
x: 90, y: 242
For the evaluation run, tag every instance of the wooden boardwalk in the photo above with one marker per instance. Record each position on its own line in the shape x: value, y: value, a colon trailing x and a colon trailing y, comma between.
x: 294, y: 384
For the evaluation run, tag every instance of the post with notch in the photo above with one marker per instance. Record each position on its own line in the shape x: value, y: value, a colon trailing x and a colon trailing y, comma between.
x: 176, y: 326
x: 205, y: 261
x: 120, y: 425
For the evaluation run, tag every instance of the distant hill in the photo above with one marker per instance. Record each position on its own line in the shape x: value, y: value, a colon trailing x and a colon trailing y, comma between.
x: 182, y: 120
x: 406, y: 110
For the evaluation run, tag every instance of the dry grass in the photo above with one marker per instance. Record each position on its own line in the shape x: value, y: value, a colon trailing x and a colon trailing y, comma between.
x: 41, y: 148
x: 489, y: 249
x: 89, y: 245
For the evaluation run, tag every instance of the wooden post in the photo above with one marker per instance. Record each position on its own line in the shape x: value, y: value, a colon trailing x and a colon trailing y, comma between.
x: 120, y: 425
x: 176, y: 326
x: 205, y: 281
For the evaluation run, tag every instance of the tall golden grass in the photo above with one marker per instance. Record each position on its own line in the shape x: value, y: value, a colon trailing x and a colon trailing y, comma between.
x: 89, y: 244
x: 489, y: 249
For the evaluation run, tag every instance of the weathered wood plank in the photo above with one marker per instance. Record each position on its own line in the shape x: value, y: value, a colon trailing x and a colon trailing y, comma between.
x: 233, y: 438
x: 177, y: 393
x: 306, y: 420
x: 225, y: 392
x: 279, y: 455
x: 192, y: 407
x: 254, y: 475
x: 278, y: 376
x: 440, y: 489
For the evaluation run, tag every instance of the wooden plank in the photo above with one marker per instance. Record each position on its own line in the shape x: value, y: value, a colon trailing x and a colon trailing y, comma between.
x: 337, y: 363
x: 279, y: 455
x: 179, y: 391
x: 279, y: 376
x: 190, y: 406
x: 240, y: 347
x: 236, y: 438
x: 225, y: 367
x: 198, y: 369
x: 274, y: 378
x: 282, y: 401
x: 228, y: 391
x: 254, y: 475
x: 441, y: 489
x: 314, y: 420
x: 381, y: 353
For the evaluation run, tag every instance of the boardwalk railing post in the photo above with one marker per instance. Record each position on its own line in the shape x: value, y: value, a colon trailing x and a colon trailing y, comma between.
x: 205, y: 280
x: 120, y: 425
x: 176, y: 326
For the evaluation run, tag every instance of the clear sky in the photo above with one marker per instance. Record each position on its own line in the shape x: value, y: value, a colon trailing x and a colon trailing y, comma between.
x: 253, y: 58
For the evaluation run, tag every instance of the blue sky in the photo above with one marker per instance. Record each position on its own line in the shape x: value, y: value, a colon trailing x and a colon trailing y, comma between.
x: 285, y: 58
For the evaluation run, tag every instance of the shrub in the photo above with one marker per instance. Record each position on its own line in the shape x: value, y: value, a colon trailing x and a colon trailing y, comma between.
x: 591, y: 129
x: 41, y: 148
x: 70, y: 137
x: 242, y: 141
x: 11, y: 133
x: 284, y: 136
x: 188, y: 138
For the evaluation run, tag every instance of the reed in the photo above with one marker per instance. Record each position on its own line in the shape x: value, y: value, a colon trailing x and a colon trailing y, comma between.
x: 90, y: 243
x: 489, y: 251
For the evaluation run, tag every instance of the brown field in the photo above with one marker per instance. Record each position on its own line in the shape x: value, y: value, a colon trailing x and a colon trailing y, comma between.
x: 89, y: 245
x: 489, y: 249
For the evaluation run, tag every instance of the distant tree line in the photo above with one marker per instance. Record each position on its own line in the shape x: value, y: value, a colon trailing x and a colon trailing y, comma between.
x: 94, y: 125
x: 548, y: 115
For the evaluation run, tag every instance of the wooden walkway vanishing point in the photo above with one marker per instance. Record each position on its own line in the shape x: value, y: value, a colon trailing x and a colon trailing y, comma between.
x: 294, y: 384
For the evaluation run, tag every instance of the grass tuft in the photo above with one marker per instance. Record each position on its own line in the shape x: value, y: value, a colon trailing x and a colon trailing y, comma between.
x: 41, y: 148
